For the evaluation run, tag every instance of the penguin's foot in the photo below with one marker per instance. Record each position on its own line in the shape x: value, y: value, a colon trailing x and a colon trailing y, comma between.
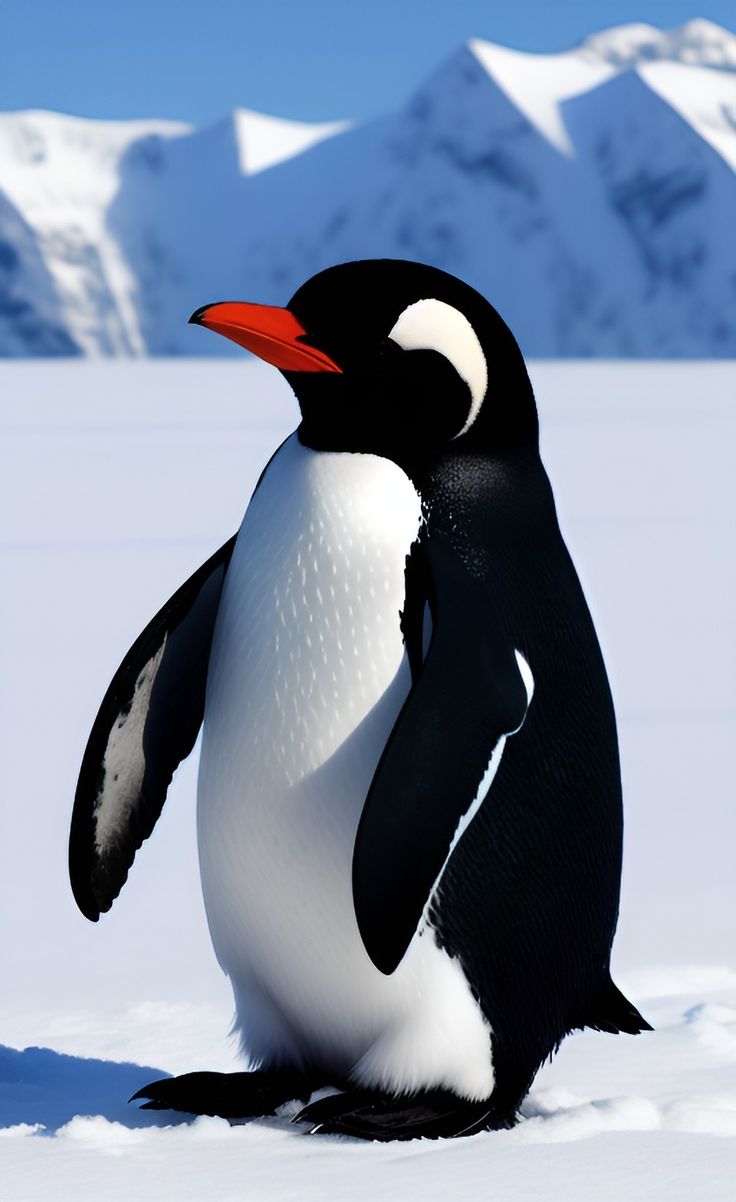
x: 227, y: 1095
x: 434, y: 1114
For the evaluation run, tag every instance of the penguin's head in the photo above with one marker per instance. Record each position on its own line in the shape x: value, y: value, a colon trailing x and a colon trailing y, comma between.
x: 393, y: 358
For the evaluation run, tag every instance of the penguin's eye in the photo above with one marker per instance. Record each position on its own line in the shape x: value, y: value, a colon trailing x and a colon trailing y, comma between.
x: 432, y: 325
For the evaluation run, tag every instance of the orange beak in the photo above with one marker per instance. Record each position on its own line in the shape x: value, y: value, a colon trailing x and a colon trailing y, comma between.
x: 271, y: 333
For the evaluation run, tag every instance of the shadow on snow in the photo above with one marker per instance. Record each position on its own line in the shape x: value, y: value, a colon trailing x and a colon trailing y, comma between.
x: 39, y: 1085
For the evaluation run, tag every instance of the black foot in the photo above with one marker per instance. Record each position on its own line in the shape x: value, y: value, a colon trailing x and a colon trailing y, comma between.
x: 228, y: 1095
x: 434, y: 1114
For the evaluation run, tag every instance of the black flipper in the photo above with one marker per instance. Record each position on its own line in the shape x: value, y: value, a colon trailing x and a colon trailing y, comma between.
x: 147, y: 724
x: 612, y: 1012
x: 468, y: 695
x: 227, y: 1095
x: 417, y: 585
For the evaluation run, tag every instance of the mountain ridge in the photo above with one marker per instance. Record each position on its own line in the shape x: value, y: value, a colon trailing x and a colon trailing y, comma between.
x: 589, y: 194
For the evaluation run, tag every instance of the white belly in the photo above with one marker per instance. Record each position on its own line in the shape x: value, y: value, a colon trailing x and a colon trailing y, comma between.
x: 307, y: 676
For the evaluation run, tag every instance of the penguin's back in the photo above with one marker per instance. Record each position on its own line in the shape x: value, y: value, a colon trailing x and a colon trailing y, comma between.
x: 530, y: 897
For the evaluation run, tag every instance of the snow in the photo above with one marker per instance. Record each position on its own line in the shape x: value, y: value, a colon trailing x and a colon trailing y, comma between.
x: 538, y: 83
x: 63, y: 174
x: 705, y: 99
x: 692, y: 68
x: 265, y: 141
x: 117, y: 481
x: 698, y: 43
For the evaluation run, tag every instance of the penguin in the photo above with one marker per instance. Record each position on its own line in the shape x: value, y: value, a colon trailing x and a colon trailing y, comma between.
x: 409, y: 797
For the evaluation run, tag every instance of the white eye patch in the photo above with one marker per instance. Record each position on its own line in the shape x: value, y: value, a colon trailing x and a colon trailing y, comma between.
x: 431, y: 325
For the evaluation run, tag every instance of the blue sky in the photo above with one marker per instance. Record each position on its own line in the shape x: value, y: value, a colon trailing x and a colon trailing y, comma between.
x: 310, y: 59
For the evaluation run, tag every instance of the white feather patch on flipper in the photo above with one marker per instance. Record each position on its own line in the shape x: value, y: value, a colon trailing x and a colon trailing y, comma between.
x: 124, y: 762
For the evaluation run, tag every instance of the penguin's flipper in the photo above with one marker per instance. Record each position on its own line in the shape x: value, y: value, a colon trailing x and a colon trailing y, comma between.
x: 147, y: 724
x: 470, y: 693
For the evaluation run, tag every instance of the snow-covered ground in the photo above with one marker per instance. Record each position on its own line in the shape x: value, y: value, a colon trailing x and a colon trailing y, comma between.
x: 117, y: 480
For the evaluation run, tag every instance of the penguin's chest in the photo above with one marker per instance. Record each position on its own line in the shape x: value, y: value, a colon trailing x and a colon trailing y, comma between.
x: 307, y: 676
x: 308, y: 639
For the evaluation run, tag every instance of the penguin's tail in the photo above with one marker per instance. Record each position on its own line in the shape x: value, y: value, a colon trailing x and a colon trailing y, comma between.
x: 611, y: 1011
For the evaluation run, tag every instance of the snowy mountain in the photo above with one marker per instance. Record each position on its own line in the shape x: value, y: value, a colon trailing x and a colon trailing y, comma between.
x: 590, y: 195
